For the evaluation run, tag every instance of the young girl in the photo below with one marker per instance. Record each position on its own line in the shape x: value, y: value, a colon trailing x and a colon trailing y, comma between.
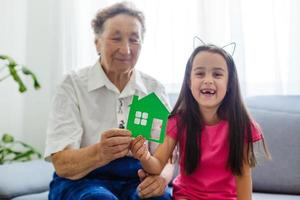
x: 213, y: 129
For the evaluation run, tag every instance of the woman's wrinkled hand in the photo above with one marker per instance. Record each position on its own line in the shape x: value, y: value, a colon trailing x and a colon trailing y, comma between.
x: 114, y: 144
x: 151, y: 185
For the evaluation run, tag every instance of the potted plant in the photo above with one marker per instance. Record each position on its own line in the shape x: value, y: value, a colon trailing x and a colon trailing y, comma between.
x: 12, y: 150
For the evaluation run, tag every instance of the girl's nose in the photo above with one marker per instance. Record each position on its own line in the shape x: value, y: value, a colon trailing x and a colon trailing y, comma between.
x: 208, y: 81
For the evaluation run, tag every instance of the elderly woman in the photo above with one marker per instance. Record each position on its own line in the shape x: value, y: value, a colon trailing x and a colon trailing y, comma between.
x: 85, y: 140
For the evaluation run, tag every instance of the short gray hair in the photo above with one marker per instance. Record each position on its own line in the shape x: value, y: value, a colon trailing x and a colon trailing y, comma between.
x: 113, y: 10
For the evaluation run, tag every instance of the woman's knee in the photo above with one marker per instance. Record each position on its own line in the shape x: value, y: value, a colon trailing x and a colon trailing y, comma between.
x: 101, y: 194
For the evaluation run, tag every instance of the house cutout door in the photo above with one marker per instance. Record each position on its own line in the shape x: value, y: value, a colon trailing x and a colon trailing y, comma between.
x: 156, y: 128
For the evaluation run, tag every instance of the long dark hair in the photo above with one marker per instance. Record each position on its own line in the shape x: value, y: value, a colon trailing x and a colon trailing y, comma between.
x: 232, y: 109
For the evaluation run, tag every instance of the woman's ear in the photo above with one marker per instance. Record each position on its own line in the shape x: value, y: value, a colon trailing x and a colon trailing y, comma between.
x: 98, y: 45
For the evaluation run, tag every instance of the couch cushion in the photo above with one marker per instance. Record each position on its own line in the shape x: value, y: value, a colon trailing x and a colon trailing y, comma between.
x: 279, y: 118
x: 266, y: 196
x: 24, y: 178
x: 39, y: 196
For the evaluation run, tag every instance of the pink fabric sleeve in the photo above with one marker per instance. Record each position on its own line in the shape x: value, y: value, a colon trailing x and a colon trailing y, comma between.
x: 256, y: 132
x: 172, y: 127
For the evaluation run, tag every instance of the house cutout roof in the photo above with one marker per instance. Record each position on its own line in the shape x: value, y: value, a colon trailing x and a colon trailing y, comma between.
x: 148, y: 117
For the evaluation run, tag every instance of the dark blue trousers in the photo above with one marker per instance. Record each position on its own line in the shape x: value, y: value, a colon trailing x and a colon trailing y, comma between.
x: 117, y: 180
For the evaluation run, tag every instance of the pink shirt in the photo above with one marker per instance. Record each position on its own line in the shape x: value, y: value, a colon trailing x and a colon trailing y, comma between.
x: 212, y: 180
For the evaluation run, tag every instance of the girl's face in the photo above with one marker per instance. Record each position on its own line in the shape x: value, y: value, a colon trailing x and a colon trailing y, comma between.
x: 209, y: 78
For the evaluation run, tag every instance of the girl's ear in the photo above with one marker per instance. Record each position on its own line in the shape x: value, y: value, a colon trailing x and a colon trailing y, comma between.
x: 230, y: 48
x: 228, y: 86
x: 189, y: 83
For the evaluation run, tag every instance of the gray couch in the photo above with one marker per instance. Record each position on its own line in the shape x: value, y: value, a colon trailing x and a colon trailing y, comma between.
x: 279, y: 179
x: 25, y: 181
x: 279, y: 117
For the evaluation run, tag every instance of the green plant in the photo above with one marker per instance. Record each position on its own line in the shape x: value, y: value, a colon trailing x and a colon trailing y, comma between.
x: 12, y: 150
x: 13, y: 69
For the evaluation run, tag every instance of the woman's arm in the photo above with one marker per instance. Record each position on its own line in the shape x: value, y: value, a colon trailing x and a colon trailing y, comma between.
x: 76, y: 163
x: 156, y: 163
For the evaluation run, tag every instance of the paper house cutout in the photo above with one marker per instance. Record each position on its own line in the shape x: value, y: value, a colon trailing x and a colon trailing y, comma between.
x: 148, y: 117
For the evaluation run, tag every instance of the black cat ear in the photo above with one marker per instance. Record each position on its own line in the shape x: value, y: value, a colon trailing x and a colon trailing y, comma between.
x: 197, y: 42
x: 230, y: 48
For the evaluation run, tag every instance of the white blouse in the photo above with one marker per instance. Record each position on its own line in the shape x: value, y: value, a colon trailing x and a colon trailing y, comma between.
x: 87, y: 103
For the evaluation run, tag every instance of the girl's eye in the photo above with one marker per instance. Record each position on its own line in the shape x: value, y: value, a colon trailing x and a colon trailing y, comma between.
x: 218, y: 75
x: 201, y: 74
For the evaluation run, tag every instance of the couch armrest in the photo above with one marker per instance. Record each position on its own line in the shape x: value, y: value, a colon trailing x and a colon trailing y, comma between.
x: 279, y: 118
x: 24, y: 178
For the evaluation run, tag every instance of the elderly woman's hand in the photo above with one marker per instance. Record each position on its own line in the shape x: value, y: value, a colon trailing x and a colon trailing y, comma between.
x: 139, y: 149
x: 114, y: 144
x: 151, y: 185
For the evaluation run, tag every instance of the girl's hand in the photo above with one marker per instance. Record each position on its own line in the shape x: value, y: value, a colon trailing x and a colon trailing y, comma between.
x: 139, y: 149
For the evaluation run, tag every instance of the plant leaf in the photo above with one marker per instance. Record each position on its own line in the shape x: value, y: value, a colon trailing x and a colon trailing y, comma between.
x: 7, y: 138
x: 24, y: 155
x: 26, y: 71
x: 9, y: 59
x: 30, y: 147
x: 13, y: 72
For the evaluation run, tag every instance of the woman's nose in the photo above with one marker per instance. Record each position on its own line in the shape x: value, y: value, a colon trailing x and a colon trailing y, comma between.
x: 125, y: 48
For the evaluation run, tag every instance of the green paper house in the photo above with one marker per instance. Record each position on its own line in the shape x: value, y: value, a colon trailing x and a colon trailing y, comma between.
x: 148, y: 117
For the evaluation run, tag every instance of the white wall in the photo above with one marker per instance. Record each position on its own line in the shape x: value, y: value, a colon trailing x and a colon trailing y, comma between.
x: 12, y: 42
x: 29, y: 33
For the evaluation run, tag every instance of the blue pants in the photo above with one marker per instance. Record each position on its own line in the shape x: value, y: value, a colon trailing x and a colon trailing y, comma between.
x: 117, y: 180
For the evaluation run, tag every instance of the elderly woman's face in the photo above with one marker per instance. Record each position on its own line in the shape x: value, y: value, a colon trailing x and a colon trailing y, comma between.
x: 120, y: 43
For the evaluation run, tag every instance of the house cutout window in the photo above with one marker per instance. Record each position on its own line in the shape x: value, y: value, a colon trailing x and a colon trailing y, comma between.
x: 156, y: 128
x: 141, y: 118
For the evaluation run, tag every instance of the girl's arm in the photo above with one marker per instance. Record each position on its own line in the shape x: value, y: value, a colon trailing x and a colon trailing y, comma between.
x: 244, y: 184
x: 156, y: 163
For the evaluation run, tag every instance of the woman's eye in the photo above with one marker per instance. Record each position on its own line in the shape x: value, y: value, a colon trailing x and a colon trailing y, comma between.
x: 116, y: 39
x: 134, y: 40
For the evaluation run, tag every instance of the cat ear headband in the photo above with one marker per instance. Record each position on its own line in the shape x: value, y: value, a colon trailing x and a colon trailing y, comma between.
x: 230, y: 48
